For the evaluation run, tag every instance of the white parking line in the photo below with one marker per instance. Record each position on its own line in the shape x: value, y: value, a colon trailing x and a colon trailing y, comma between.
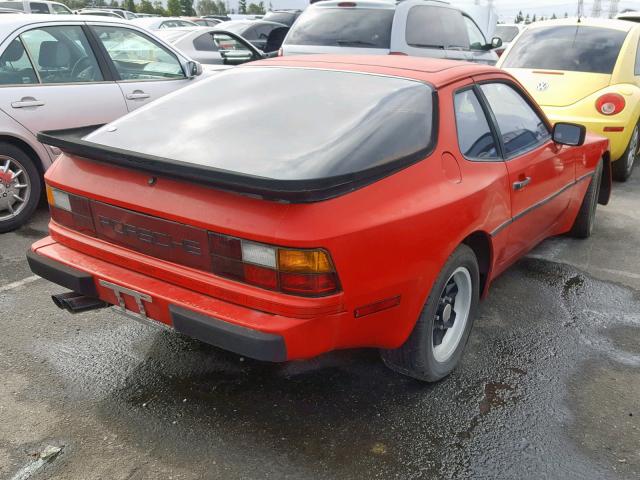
x: 19, y: 283
x: 47, y: 455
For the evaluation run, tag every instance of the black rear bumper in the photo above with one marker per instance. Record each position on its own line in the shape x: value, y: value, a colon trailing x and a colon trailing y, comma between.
x: 234, y: 338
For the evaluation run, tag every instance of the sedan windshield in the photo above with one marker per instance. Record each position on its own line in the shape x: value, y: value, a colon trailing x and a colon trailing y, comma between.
x: 314, y: 124
x: 343, y: 27
x: 569, y: 48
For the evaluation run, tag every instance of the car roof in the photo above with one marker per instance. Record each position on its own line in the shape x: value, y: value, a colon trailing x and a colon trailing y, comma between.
x: 438, y: 72
x: 623, y: 25
x: 11, y: 22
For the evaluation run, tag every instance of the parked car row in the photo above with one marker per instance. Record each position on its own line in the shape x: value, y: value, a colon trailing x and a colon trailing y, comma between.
x: 212, y: 210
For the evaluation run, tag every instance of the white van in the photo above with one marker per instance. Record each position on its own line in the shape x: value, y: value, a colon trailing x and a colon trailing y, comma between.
x: 28, y: 6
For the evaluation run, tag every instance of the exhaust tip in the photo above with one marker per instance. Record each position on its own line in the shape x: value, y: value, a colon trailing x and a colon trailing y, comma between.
x: 76, y: 302
x: 61, y: 299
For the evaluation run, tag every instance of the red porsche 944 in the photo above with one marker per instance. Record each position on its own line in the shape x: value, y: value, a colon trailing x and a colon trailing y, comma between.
x: 299, y: 205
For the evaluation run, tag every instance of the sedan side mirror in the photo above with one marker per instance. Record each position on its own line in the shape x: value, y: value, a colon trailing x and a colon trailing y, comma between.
x: 496, y: 42
x: 193, y: 69
x: 569, y: 134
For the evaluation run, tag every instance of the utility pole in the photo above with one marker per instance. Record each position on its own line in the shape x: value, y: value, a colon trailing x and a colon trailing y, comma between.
x: 580, y: 8
x: 613, y: 8
x: 597, y: 8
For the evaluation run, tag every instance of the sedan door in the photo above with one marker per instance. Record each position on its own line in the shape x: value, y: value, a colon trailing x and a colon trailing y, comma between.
x: 50, y: 79
x: 145, y: 70
x: 541, y: 174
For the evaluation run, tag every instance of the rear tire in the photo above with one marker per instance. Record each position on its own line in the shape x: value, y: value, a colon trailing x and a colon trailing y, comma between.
x: 432, y: 351
x: 623, y: 167
x: 20, y: 187
x: 583, y: 225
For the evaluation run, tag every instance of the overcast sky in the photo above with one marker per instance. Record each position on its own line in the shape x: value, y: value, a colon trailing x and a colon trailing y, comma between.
x: 507, y: 9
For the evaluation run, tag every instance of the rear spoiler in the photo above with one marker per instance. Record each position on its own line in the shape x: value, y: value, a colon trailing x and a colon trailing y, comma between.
x: 71, y: 141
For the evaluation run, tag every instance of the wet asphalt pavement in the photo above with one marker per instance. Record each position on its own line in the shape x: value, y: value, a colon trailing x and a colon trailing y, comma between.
x: 549, y: 386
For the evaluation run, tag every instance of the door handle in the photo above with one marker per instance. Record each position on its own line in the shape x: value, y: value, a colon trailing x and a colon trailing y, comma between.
x: 27, y: 102
x: 137, y: 95
x: 520, y: 184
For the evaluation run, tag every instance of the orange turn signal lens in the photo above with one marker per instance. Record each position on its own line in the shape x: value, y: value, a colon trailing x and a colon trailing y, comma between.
x: 50, y: 198
x: 307, y: 261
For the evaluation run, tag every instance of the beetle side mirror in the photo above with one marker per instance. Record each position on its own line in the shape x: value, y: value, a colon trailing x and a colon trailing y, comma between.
x: 569, y: 134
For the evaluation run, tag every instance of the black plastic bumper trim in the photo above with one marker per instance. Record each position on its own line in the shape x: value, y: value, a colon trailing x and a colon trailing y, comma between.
x: 243, y: 341
x: 56, y: 272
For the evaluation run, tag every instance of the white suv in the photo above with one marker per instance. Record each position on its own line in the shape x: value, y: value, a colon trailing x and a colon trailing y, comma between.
x: 413, y: 27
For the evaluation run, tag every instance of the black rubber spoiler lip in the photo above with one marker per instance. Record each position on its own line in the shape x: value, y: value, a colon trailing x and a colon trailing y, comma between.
x: 293, y: 191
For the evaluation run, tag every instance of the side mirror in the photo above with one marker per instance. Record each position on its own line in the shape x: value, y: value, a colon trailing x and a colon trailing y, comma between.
x: 569, y: 134
x: 193, y: 69
x: 237, y: 57
x: 496, y: 42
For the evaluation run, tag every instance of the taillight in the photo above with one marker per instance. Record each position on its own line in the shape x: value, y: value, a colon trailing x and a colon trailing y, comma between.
x: 610, y: 104
x: 295, y: 271
x: 399, y: 53
x: 70, y: 210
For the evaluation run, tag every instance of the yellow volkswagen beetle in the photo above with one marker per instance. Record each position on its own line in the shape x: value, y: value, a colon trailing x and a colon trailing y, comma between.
x: 585, y: 71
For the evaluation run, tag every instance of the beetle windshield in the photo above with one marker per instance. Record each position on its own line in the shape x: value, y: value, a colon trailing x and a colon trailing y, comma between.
x: 283, y: 123
x: 568, y: 48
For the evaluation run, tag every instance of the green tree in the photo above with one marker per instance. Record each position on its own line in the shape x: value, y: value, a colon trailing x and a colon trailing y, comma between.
x: 256, y: 9
x: 242, y: 6
x: 129, y: 5
x: 519, y: 17
x: 146, y: 7
x: 158, y: 8
x: 222, y: 8
x: 207, y: 7
x: 534, y: 19
x: 527, y: 20
x: 566, y: 15
x: 553, y: 17
x: 174, y: 8
x: 186, y: 8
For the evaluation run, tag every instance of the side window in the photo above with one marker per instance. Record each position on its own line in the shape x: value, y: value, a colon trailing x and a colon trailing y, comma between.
x: 476, y: 38
x: 474, y: 135
x: 15, y: 66
x: 62, y: 54
x: 520, y: 126
x: 38, y: 7
x: 60, y: 9
x: 637, y: 69
x: 436, y: 27
x: 136, y: 57
x: 208, y: 42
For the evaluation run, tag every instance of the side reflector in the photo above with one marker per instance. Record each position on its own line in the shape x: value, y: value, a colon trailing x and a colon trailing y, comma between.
x: 376, y: 307
x: 399, y: 53
x: 614, y: 129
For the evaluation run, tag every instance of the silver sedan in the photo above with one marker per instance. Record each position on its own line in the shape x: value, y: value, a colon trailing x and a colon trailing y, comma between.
x: 211, y: 45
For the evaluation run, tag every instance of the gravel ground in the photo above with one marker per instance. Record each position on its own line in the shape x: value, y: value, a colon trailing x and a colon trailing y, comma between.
x: 549, y: 386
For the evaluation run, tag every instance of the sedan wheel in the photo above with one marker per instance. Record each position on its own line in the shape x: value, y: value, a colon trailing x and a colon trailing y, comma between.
x: 20, y: 187
x: 15, y: 188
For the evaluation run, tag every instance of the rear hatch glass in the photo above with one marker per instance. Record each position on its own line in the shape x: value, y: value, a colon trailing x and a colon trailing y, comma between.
x: 313, y: 124
x: 506, y: 33
x: 343, y: 27
x: 12, y: 5
x: 567, y: 48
